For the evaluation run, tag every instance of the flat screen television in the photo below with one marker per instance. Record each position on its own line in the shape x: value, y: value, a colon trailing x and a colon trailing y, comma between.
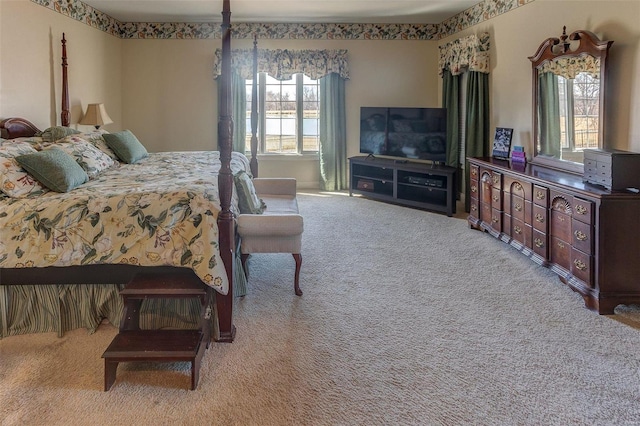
x: 412, y: 133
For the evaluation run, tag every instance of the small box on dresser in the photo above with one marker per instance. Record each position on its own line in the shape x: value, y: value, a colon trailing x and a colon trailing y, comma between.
x: 613, y: 169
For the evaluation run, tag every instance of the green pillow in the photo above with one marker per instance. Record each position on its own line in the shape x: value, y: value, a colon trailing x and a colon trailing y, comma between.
x: 54, y: 168
x: 248, y: 200
x: 55, y: 133
x: 126, y: 146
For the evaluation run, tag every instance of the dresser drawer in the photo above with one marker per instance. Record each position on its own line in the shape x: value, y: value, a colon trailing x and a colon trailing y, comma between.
x: 540, y: 221
x: 582, y: 266
x: 560, y: 253
x: 521, y: 232
x: 485, y: 212
x: 496, y: 198
x: 517, y: 187
x: 496, y: 220
x: 474, y: 173
x: 473, y: 188
x: 590, y: 165
x: 560, y: 225
x: 582, y: 236
x: 583, y: 210
x: 474, y: 208
x: 496, y: 179
x: 540, y: 246
x: 540, y: 196
x: 517, y: 208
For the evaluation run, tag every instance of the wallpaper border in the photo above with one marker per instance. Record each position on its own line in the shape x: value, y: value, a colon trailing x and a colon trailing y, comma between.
x: 483, y: 11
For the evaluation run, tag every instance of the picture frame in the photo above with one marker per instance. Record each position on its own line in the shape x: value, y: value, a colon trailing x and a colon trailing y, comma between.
x: 502, y: 143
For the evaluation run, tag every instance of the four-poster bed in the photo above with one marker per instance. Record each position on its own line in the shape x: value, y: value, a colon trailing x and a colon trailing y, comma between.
x: 220, y: 209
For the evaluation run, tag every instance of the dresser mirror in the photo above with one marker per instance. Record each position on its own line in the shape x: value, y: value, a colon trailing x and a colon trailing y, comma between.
x: 568, y: 99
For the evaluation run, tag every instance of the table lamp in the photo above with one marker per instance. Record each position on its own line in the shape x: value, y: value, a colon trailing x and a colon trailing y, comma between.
x: 96, y: 115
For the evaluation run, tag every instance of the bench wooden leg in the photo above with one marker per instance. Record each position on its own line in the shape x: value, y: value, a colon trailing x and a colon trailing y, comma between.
x: 296, y: 282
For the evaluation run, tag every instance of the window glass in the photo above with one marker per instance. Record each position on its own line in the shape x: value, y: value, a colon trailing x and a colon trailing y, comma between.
x: 288, y: 114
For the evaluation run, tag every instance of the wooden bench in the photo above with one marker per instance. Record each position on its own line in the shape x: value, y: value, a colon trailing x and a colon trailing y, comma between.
x: 277, y: 230
x: 132, y: 344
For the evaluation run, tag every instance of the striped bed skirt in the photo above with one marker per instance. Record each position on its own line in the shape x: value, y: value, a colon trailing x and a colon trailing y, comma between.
x: 59, y: 308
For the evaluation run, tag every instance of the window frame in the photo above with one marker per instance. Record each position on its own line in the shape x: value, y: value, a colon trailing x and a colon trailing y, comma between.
x: 262, y: 116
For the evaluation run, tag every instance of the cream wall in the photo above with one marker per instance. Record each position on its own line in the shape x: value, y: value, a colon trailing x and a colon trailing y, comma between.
x: 170, y: 97
x: 163, y: 90
x: 517, y: 35
x: 30, y: 66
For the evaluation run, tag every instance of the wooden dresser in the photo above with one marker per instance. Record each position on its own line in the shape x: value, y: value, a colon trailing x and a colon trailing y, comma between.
x: 586, y: 234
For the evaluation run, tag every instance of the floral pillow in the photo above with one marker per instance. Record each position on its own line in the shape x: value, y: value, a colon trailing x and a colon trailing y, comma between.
x: 90, y: 158
x: 248, y: 200
x: 15, y: 182
x: 12, y: 148
x: 55, y: 133
x: 94, y: 138
x: 34, y: 141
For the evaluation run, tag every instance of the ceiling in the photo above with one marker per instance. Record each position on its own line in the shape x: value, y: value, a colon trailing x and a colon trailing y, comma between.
x: 284, y: 11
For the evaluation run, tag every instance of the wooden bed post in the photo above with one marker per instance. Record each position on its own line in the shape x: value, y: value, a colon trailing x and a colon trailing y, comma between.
x: 64, y: 114
x: 226, y: 220
x: 254, y: 111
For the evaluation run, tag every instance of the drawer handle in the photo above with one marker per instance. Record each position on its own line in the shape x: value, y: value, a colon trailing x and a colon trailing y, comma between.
x: 539, y: 243
x: 474, y: 208
x: 494, y: 219
x: 474, y: 172
x: 560, y: 219
x: 580, y: 264
x: 560, y: 245
x: 539, y: 218
x: 517, y: 186
x: 580, y: 236
x: 518, y: 207
x: 496, y: 179
x: 539, y: 195
x: 580, y: 209
x: 517, y: 229
x: 474, y: 188
x: 496, y: 198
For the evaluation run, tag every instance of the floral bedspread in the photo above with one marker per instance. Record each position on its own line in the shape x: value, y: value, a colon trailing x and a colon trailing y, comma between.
x: 160, y: 211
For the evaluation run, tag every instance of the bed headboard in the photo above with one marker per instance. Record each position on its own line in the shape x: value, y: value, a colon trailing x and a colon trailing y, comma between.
x: 11, y: 128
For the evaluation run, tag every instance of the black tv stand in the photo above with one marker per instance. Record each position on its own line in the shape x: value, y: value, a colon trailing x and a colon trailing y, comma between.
x: 413, y: 184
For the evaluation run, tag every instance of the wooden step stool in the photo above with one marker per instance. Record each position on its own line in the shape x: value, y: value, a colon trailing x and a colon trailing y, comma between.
x: 132, y: 344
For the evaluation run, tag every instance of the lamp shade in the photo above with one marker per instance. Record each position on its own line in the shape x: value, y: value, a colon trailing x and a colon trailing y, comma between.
x: 96, y: 115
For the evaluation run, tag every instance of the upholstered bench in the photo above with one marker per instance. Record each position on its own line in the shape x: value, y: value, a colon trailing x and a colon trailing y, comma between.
x: 278, y: 229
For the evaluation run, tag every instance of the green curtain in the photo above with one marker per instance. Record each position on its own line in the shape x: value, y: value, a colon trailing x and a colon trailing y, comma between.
x: 477, y: 122
x: 549, y: 115
x: 450, y: 101
x: 238, y: 111
x: 333, y: 133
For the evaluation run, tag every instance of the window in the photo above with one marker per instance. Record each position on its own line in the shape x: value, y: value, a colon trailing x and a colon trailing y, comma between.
x: 288, y: 115
x: 579, y: 113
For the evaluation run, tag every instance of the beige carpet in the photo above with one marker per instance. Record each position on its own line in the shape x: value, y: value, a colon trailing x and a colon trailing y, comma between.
x: 408, y: 317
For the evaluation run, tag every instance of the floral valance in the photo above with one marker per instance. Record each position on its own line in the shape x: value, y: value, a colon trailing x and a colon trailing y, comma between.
x: 467, y: 53
x: 569, y: 67
x: 282, y: 64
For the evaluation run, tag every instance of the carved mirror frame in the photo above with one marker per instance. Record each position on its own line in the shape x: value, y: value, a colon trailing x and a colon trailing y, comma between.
x: 577, y: 44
